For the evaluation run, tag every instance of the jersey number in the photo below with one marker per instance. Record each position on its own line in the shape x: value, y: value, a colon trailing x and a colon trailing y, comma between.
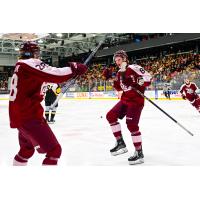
x: 13, y: 88
x: 142, y: 70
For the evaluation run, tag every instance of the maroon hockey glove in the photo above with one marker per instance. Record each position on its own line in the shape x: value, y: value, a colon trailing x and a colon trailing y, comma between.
x: 184, y: 97
x: 78, y: 68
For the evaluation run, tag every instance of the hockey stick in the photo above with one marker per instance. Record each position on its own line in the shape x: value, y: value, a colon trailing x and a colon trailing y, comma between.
x: 72, y: 81
x: 163, y: 111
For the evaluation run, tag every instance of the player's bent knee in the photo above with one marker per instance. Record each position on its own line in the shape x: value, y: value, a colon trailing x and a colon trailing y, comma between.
x: 53, y: 155
x: 110, y: 116
x: 132, y: 127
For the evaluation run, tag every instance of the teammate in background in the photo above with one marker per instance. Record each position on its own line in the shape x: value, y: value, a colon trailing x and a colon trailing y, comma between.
x: 130, y: 105
x: 188, y: 91
x: 107, y: 73
x: 166, y: 90
x: 50, y: 96
x: 25, y: 110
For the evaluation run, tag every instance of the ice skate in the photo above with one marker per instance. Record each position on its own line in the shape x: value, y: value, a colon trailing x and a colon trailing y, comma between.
x: 51, y: 121
x: 119, y: 148
x: 137, y: 158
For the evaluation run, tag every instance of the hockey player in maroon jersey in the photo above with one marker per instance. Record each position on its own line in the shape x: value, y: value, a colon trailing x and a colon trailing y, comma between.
x: 130, y: 105
x: 188, y: 91
x: 25, y: 110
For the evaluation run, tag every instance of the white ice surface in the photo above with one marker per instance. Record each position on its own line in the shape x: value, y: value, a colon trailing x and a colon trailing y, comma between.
x: 86, y: 138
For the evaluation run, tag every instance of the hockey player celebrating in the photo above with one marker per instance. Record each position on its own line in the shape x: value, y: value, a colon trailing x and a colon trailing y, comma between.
x: 130, y: 105
x: 50, y: 96
x: 188, y: 91
x: 25, y: 110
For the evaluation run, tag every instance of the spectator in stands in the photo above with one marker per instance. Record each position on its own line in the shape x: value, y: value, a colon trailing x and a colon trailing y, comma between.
x: 162, y: 68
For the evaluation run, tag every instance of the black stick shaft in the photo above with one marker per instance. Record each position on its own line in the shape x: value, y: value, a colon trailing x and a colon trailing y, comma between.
x: 72, y: 81
x: 163, y: 112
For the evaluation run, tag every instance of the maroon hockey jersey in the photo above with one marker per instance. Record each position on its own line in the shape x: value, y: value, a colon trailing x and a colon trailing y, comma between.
x: 26, y: 89
x: 189, y: 91
x: 125, y: 81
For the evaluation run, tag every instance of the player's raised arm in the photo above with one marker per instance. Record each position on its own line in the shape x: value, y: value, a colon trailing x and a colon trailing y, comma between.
x: 52, y: 74
x: 44, y: 71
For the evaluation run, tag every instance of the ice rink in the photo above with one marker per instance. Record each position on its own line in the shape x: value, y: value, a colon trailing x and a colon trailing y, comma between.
x: 86, y: 138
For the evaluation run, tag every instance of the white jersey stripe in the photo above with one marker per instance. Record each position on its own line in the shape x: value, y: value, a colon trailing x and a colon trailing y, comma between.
x: 42, y: 67
x: 140, y: 71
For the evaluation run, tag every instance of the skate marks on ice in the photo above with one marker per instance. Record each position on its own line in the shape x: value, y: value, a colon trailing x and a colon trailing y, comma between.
x: 164, y: 142
x: 86, y: 138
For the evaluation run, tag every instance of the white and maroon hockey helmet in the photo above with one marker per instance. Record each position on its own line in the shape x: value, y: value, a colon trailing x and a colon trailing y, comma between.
x: 29, y: 49
x: 122, y: 54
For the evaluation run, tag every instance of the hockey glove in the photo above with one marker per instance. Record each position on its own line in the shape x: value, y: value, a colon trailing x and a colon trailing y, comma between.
x: 58, y: 91
x: 140, y: 81
x: 78, y: 68
x: 183, y: 96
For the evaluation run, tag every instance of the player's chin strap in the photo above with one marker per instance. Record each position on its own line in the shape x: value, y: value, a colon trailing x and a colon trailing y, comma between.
x: 72, y: 81
x: 163, y: 111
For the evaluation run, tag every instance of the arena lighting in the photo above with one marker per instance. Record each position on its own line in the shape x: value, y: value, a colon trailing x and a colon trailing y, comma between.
x: 59, y: 34
x: 40, y: 41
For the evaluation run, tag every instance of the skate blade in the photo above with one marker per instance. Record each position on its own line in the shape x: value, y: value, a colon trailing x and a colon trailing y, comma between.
x: 140, y: 161
x: 121, y: 151
x: 50, y: 122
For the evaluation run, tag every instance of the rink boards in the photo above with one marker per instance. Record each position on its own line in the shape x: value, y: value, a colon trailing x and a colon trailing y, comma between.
x: 154, y: 95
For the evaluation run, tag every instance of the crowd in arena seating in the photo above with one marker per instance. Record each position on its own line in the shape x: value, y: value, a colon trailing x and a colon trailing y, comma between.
x: 4, y: 82
x: 168, y: 68
x: 94, y: 77
x: 162, y: 69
